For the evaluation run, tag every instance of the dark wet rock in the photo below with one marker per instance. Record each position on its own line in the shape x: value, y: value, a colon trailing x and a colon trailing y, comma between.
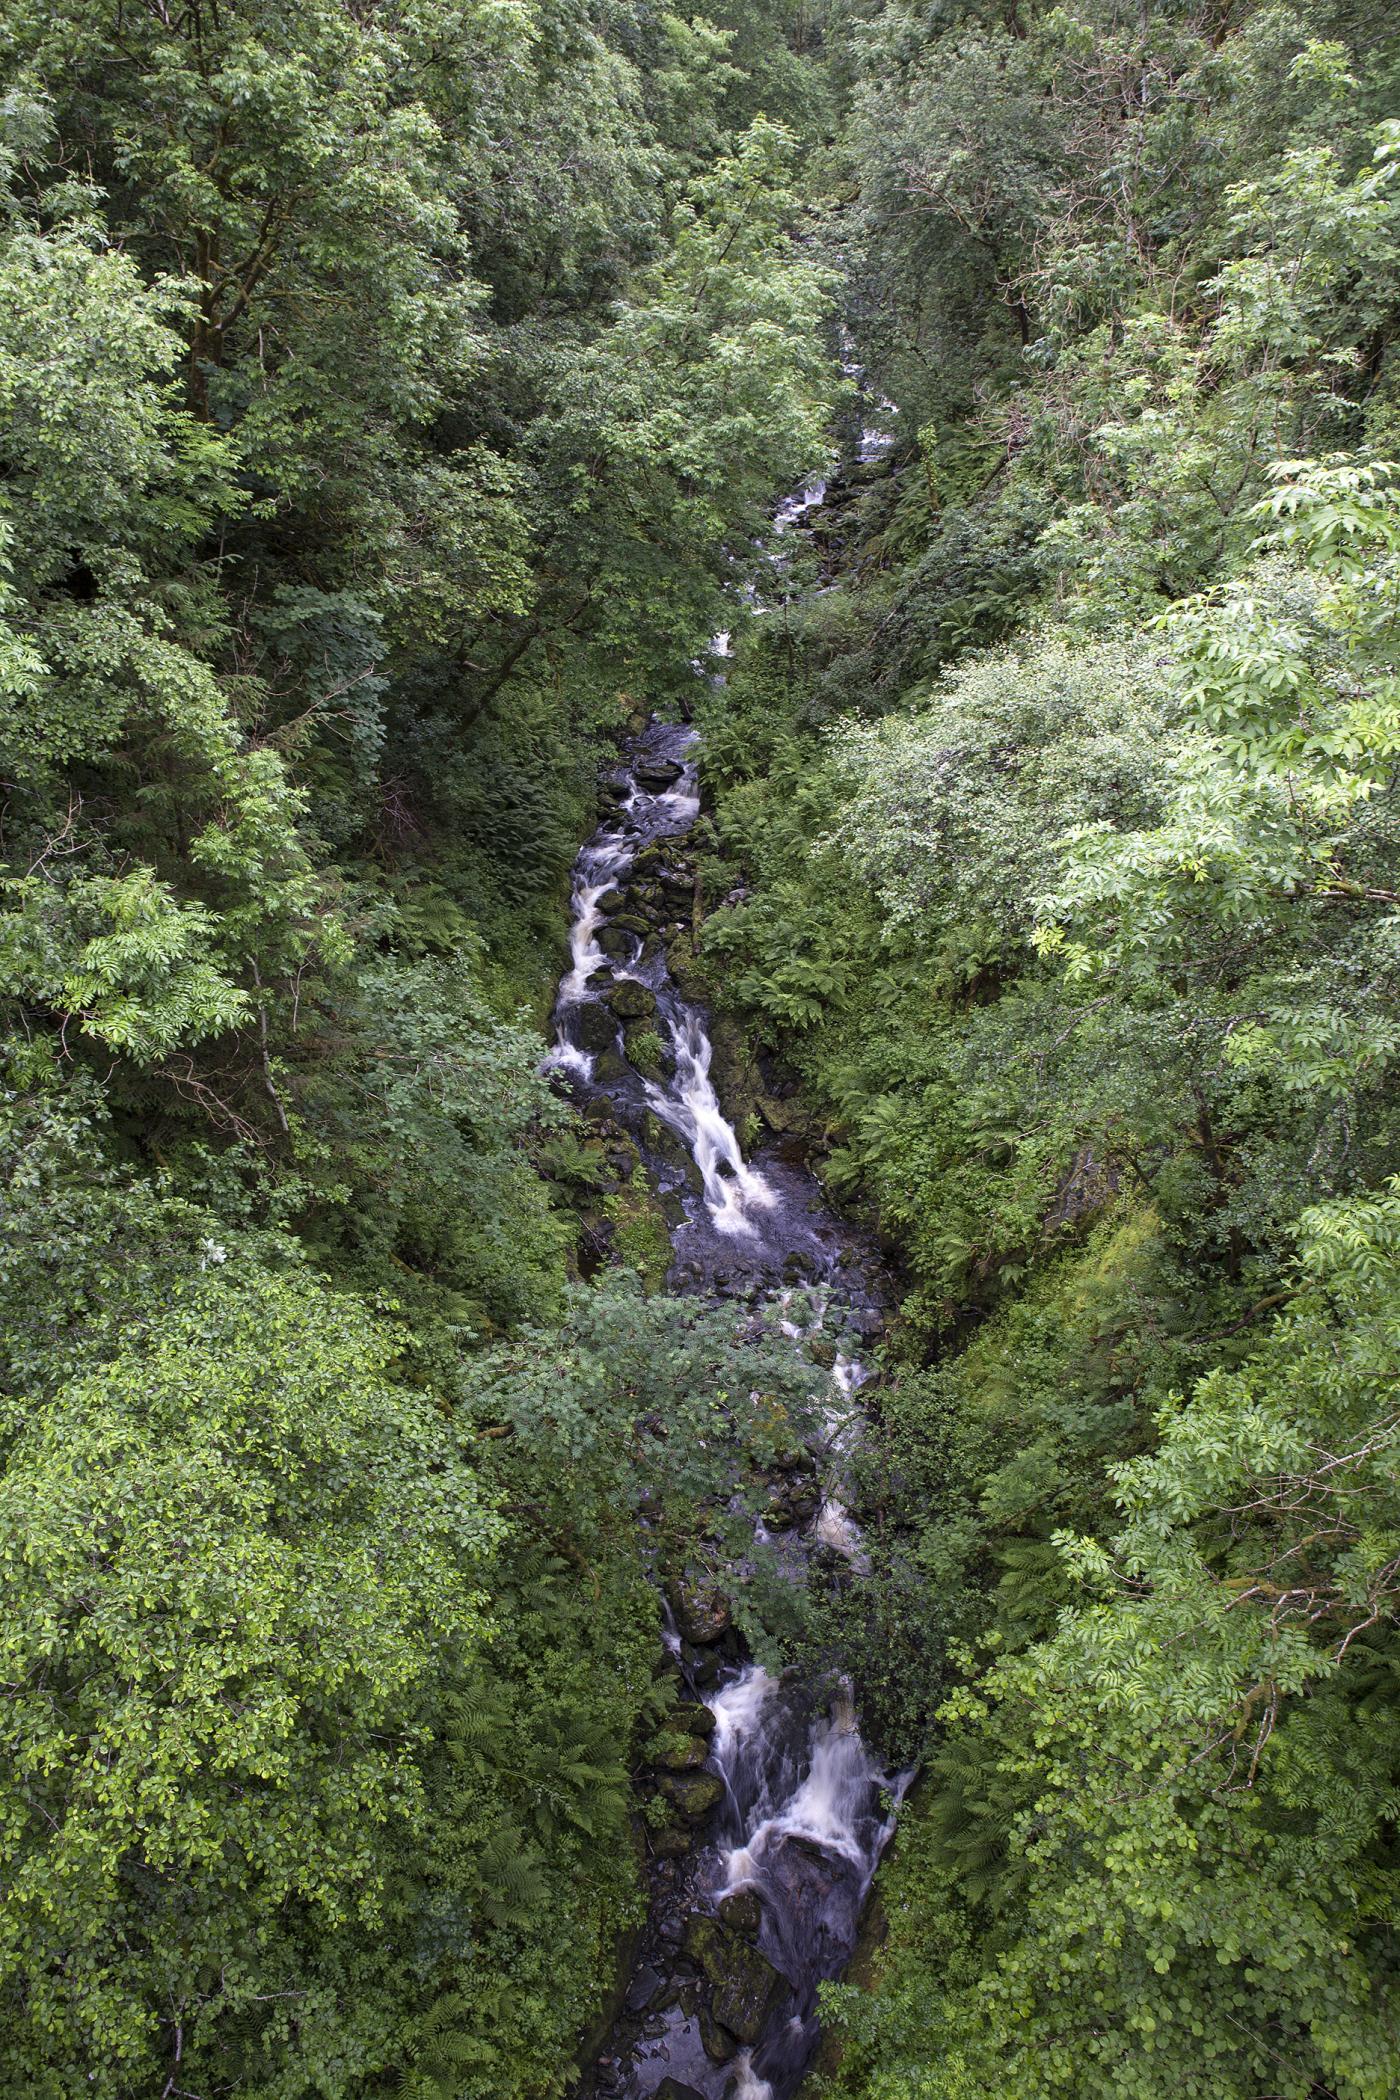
x: 594, y: 1028
x: 742, y: 1913
x: 656, y: 774
x: 628, y: 922
x: 610, y: 1067
x: 693, y: 1795
x: 672, y: 1207
x: 702, y: 1663
x: 612, y: 901
x: 670, y: 1148
x: 672, y: 2089
x: 631, y: 1001
x: 719, y: 2045
x: 645, y: 1984
x: 615, y: 940
x: 822, y: 1352
x: 671, y: 1842
x: 694, y: 1718
x: 793, y: 1499
x: 745, y: 1985
x: 701, y: 1607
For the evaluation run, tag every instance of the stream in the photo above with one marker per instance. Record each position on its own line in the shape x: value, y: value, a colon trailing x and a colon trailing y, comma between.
x: 765, y: 1898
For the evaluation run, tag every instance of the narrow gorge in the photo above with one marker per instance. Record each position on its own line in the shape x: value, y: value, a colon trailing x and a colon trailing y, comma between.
x: 778, y: 1810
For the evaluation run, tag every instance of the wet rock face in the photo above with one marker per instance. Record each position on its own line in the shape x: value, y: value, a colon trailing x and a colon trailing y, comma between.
x: 745, y: 1988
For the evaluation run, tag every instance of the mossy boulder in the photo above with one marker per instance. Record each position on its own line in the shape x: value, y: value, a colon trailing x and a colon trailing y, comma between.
x: 745, y: 1987
x: 702, y: 1610
x: 683, y: 1753
x: 693, y: 1795
x: 640, y: 1236
x: 631, y: 1001
x: 595, y: 1027
x: 742, y: 1913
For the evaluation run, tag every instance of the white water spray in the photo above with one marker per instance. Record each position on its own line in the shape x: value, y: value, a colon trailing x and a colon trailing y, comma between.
x: 733, y: 1189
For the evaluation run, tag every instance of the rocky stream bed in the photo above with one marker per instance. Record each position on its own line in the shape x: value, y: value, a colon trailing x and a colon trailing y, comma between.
x: 768, y: 1813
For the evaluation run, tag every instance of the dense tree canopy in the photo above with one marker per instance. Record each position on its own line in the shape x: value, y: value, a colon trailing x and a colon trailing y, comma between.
x: 393, y: 402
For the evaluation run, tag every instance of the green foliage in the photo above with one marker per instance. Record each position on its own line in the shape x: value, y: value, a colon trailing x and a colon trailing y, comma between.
x: 1082, y: 942
x: 386, y: 394
x: 216, y: 1723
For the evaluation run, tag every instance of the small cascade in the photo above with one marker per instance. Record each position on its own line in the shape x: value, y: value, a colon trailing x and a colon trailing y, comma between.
x: 733, y: 1191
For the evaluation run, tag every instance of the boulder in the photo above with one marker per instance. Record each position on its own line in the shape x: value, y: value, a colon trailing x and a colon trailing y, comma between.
x: 612, y: 901
x: 594, y: 1028
x: 628, y: 922
x: 694, y: 1718
x: 615, y: 940
x: 693, y: 1795
x: 719, y: 2045
x: 687, y: 1754
x: 745, y: 1986
x: 657, y: 774
x: 746, y: 1999
x: 670, y: 1842
x: 672, y: 2089
x: 742, y: 1913
x: 631, y: 1001
x: 701, y: 1607
x: 702, y: 1663
x: 645, y: 1984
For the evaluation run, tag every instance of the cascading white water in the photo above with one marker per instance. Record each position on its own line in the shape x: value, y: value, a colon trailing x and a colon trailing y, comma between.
x: 733, y: 1189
